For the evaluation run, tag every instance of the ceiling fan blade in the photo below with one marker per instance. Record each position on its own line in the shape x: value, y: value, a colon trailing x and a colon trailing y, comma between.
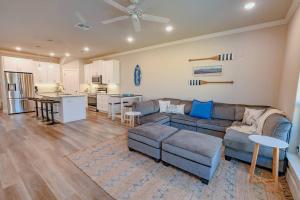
x: 153, y: 18
x: 136, y: 23
x: 80, y: 18
x: 116, y: 19
x: 116, y: 5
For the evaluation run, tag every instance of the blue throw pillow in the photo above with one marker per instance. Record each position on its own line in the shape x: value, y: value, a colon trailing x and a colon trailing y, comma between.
x: 202, y: 110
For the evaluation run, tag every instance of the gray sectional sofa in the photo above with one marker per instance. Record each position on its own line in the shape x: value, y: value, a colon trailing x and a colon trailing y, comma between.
x: 237, y: 145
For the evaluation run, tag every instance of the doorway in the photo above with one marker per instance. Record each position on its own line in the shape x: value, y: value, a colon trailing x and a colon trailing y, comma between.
x: 71, y: 80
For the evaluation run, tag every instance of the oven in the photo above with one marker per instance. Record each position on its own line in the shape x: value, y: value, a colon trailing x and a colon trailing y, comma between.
x: 92, y: 102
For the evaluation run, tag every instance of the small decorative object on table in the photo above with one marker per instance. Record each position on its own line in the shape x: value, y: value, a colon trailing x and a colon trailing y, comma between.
x: 274, y: 143
x: 137, y: 75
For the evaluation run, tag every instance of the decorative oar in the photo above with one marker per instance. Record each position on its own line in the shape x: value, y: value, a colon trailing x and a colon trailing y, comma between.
x: 222, y: 57
x: 201, y: 82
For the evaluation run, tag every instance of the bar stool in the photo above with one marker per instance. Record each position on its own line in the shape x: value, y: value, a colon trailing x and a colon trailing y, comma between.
x: 127, y: 108
x: 52, y: 112
x: 42, y: 103
x: 129, y: 118
x: 36, y: 105
x: 45, y: 107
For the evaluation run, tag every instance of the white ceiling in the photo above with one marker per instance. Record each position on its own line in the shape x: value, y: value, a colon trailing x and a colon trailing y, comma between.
x: 30, y: 23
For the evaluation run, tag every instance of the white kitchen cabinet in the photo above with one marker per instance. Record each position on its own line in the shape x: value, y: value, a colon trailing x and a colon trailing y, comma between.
x: 111, y: 73
x: 102, y: 102
x: 93, y: 69
x: 53, y: 73
x: 18, y: 64
x: 47, y: 73
x: 109, y: 70
x: 41, y: 73
x: 88, y: 73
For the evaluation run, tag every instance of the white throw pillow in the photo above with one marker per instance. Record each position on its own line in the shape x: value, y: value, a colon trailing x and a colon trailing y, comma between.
x: 163, y: 106
x: 176, y: 109
x: 252, y: 115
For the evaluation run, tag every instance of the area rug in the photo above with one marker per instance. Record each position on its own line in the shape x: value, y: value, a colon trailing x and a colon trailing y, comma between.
x: 131, y: 175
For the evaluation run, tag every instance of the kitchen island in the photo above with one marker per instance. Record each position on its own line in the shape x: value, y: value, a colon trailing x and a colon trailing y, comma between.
x: 71, y: 107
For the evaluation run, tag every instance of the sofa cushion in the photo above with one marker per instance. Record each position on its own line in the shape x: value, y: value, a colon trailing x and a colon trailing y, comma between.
x: 194, y: 146
x: 151, y: 133
x: 240, y: 110
x: 187, y: 106
x: 223, y: 111
x: 160, y: 118
x: 240, y: 141
x: 184, y: 119
x: 214, y: 124
x: 163, y: 106
x: 146, y: 107
x: 173, y: 101
x: 202, y: 110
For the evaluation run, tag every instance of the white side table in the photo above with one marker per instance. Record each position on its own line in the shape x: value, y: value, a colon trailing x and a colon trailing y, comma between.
x: 274, y: 143
x: 129, y: 118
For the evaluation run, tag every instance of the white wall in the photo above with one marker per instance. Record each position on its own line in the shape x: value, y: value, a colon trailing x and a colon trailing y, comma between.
x: 290, y: 78
x: 258, y: 59
x: 291, y: 68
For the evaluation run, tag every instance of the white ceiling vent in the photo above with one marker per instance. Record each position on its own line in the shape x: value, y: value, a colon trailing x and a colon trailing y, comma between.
x: 83, y: 26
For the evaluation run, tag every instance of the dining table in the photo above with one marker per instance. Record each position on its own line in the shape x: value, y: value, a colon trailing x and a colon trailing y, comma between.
x: 122, y: 100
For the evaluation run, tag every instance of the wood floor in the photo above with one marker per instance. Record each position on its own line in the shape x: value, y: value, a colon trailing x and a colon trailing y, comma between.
x: 32, y: 157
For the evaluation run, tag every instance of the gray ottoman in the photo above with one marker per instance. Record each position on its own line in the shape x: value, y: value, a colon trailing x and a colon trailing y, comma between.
x: 193, y: 152
x: 147, y: 138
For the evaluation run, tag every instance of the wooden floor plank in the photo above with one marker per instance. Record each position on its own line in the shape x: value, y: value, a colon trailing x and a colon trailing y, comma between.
x: 8, y: 174
x: 32, y: 157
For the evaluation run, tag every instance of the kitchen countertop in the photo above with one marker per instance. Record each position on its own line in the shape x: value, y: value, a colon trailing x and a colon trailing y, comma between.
x: 61, y: 95
x: 124, y: 96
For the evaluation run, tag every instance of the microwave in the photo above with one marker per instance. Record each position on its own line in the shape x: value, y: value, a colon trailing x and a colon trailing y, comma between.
x: 97, y: 79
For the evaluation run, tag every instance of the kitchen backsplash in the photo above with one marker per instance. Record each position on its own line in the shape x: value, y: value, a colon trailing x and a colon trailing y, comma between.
x: 92, y: 88
x: 43, y: 88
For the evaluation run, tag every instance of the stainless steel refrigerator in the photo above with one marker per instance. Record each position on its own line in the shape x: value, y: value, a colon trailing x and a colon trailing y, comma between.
x: 19, y: 87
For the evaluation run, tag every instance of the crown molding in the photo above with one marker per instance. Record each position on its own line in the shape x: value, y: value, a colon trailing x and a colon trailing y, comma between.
x: 292, y: 10
x: 193, y: 39
x: 27, y: 55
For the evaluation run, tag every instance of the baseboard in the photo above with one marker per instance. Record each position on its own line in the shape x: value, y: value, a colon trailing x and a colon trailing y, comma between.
x: 293, y: 181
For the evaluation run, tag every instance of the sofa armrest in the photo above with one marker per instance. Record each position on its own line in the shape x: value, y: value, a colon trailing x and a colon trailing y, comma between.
x: 278, y: 126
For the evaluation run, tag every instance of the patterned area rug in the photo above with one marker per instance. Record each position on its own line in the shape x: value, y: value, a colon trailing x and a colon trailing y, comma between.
x: 131, y: 175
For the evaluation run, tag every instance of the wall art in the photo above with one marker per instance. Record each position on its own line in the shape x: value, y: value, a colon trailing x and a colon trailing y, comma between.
x: 137, y: 75
x: 214, y: 70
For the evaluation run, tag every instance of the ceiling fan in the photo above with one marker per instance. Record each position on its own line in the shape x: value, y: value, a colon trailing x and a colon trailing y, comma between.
x: 134, y: 13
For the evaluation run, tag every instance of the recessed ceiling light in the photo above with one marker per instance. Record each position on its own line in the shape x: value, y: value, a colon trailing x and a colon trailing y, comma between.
x: 249, y: 5
x: 86, y: 49
x: 130, y: 39
x: 18, y: 48
x: 169, y: 28
x: 67, y: 54
x: 52, y: 54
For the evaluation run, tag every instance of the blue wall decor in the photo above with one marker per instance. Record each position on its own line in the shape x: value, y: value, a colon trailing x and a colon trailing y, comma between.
x: 137, y: 75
